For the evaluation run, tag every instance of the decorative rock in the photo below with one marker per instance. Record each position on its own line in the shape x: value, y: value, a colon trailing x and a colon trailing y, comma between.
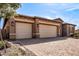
x: 22, y: 49
x: 8, y: 44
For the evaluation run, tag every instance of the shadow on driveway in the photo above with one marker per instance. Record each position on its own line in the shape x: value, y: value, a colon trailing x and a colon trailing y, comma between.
x: 37, y: 41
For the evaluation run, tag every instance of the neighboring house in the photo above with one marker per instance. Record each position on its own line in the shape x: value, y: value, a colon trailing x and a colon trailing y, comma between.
x: 77, y: 31
x: 23, y: 26
x: 68, y: 29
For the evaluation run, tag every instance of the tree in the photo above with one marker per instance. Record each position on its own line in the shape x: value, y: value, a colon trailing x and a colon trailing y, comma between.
x: 8, y: 10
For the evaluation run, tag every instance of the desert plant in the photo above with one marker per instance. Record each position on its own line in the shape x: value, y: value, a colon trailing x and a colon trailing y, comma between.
x: 1, y: 45
x: 7, y: 45
x: 7, y: 10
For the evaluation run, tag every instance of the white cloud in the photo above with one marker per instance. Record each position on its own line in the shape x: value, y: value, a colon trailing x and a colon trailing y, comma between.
x: 60, y: 11
x: 71, y: 9
x: 62, y: 6
x: 48, y: 17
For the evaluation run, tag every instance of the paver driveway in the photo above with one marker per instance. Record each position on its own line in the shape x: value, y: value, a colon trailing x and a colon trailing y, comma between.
x: 52, y: 46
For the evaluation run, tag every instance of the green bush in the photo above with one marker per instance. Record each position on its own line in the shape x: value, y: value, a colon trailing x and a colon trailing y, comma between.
x: 7, y: 45
x: 1, y: 45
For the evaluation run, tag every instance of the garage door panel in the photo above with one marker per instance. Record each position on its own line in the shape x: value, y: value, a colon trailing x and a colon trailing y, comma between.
x: 47, y: 31
x: 23, y: 30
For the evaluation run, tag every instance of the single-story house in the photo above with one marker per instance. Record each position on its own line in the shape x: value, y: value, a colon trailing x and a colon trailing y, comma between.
x: 22, y: 26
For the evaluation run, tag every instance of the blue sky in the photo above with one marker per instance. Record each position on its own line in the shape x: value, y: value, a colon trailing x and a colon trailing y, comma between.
x: 69, y: 12
x: 1, y: 23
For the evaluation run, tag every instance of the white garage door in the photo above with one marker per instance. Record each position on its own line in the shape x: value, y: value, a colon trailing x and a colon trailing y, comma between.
x: 47, y: 31
x: 23, y: 30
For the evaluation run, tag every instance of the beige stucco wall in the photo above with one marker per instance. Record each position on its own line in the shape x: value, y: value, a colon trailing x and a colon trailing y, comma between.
x: 69, y: 29
x: 35, y: 28
x: 38, y: 21
x: 49, y: 22
x: 24, y: 20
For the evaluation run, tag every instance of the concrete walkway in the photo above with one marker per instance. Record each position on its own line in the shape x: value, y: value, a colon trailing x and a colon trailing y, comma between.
x: 52, y: 46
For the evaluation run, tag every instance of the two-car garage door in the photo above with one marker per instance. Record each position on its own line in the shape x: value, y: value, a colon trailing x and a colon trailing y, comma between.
x: 23, y: 30
x: 47, y: 31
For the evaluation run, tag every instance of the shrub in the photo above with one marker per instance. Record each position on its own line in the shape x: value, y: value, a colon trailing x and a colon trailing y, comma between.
x: 7, y: 44
x: 1, y: 45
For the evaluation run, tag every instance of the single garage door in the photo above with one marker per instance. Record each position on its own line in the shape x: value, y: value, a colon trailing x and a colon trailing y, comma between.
x: 47, y: 31
x: 23, y: 30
